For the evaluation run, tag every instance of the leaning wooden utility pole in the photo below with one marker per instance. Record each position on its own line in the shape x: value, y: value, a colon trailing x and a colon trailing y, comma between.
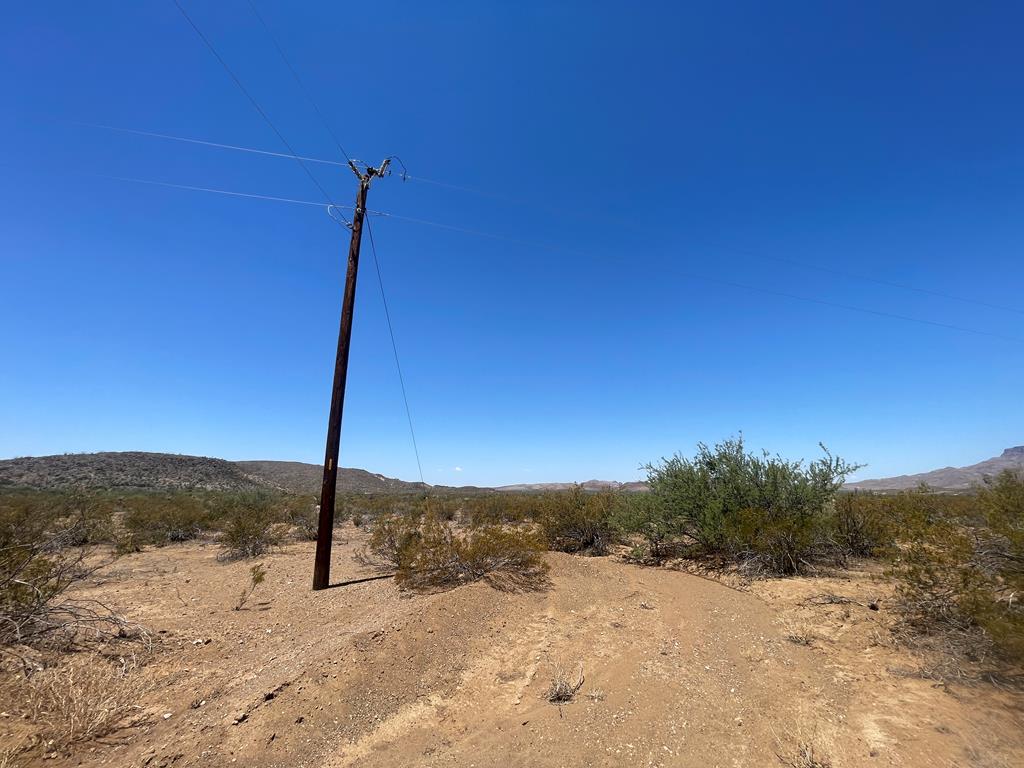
x: 325, y: 527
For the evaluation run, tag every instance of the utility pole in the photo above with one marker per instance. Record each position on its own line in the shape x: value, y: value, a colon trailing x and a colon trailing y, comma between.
x: 325, y: 527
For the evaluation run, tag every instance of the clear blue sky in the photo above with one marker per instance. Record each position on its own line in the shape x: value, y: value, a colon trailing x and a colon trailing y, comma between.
x: 655, y: 170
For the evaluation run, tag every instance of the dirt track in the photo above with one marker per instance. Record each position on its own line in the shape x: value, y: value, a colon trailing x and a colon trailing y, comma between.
x: 679, y: 671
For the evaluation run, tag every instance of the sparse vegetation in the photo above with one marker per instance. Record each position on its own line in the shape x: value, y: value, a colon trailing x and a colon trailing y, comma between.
x: 165, y: 519
x: 302, y: 513
x: 428, y: 552
x: 960, y: 567
x: 806, y: 755
x: 249, y: 528
x: 257, y: 574
x: 564, y: 686
x: 84, y: 699
x: 42, y: 555
x: 578, y: 521
x: 957, y: 560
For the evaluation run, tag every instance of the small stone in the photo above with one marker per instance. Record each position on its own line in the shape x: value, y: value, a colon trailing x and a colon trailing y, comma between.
x: 167, y: 715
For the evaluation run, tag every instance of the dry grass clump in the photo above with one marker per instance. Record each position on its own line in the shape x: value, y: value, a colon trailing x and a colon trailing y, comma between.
x: 86, y: 698
x: 805, y: 756
x: 800, y: 633
x: 564, y: 686
x: 429, y: 552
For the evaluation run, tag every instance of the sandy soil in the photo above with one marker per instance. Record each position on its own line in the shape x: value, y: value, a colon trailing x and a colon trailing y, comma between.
x: 679, y: 671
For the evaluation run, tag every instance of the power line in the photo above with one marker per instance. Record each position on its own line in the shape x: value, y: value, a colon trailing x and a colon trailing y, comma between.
x: 797, y: 297
x: 394, y: 348
x: 369, y: 230
x: 693, y: 276
x: 892, y: 284
x: 738, y: 251
x: 218, y: 145
x: 302, y: 86
x: 852, y: 308
x: 153, y: 182
x: 253, y: 101
x: 481, y: 233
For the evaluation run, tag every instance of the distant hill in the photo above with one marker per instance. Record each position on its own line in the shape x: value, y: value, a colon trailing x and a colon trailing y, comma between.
x: 588, y: 485
x: 136, y: 470
x: 949, y: 478
x: 129, y: 470
x: 299, y: 477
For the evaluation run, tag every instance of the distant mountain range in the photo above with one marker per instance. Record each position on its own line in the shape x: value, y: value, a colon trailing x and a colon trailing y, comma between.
x: 137, y: 470
x: 949, y: 478
x: 588, y: 485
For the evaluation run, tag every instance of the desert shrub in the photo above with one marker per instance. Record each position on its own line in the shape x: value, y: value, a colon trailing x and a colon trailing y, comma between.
x: 303, y: 514
x: 250, y: 525
x: 960, y: 565
x: 777, y: 541
x: 645, y: 515
x: 501, y: 507
x: 1000, y: 552
x: 863, y: 523
x: 160, y: 520
x: 40, y: 560
x: 770, y: 514
x: 578, y: 521
x: 394, y: 541
x: 428, y: 552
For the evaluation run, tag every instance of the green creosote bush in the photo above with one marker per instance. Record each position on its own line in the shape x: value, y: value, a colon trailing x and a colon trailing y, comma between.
x: 578, y: 521
x: 645, y: 515
x: 250, y: 525
x: 863, y: 524
x: 161, y: 520
x: 771, y: 515
x: 302, y: 513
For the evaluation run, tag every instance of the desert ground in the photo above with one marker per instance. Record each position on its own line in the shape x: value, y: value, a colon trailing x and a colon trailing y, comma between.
x: 678, y: 669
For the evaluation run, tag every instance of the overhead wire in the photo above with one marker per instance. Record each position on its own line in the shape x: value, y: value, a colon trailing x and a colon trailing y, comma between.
x: 853, y: 308
x: 892, y: 284
x: 253, y: 101
x: 369, y: 230
x: 694, y: 276
x: 154, y: 182
x: 749, y: 254
x: 394, y: 348
x: 302, y: 85
x: 689, y: 275
x: 215, y: 144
